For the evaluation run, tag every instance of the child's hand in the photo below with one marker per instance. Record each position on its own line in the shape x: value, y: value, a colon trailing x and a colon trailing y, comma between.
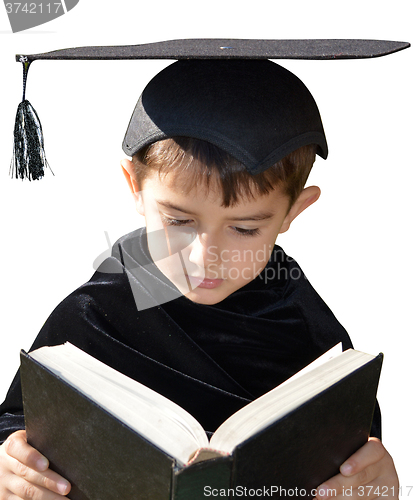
x: 25, y: 473
x: 368, y: 473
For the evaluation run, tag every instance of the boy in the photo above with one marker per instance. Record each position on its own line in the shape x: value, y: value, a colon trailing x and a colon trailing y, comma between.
x: 221, y: 153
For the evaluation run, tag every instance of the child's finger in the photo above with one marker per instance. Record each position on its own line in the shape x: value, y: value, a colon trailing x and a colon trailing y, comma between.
x: 22, y: 489
x: 47, y: 479
x: 372, y: 452
x: 31, y: 469
x: 370, y: 466
x: 16, y: 446
x: 339, y: 485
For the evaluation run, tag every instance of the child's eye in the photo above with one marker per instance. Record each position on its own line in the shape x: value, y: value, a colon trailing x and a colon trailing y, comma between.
x: 174, y: 222
x: 246, y: 232
x: 168, y: 221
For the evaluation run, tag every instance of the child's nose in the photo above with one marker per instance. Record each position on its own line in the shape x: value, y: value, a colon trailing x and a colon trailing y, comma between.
x: 205, y: 250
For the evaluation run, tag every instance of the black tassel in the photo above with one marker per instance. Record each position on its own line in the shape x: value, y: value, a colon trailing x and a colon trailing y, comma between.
x: 29, y: 159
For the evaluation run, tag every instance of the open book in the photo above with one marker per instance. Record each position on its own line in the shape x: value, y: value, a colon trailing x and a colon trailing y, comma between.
x: 163, y: 428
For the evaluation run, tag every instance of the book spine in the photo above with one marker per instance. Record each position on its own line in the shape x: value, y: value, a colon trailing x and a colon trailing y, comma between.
x: 210, y: 478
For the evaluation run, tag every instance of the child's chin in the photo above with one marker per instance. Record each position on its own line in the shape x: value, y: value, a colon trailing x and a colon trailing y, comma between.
x: 208, y: 296
x: 205, y: 298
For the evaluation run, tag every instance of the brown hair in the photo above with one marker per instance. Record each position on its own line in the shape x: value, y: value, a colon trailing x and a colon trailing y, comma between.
x: 198, y: 162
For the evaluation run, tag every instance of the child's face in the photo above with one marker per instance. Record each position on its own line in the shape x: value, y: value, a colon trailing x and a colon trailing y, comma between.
x: 221, y: 249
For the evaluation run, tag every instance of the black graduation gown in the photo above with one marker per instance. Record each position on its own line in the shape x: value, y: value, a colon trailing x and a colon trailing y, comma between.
x: 210, y: 359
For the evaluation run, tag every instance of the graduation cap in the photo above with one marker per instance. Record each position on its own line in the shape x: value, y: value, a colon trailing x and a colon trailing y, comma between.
x: 224, y: 91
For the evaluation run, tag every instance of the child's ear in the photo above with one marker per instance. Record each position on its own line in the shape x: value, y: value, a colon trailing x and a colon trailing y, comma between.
x: 306, y: 198
x: 129, y: 172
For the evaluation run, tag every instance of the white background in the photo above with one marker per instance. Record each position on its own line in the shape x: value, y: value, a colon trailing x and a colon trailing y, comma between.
x: 355, y: 244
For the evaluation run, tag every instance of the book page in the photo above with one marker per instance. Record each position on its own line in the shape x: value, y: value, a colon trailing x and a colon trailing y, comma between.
x: 155, y: 417
x: 285, y: 398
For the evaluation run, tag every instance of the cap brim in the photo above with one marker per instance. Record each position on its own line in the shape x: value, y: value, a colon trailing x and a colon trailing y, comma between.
x: 212, y: 48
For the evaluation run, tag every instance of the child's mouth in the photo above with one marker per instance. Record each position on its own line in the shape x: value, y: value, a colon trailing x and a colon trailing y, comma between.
x: 204, y: 282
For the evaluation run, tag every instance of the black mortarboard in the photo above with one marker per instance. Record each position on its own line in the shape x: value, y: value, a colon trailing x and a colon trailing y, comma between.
x: 224, y: 91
